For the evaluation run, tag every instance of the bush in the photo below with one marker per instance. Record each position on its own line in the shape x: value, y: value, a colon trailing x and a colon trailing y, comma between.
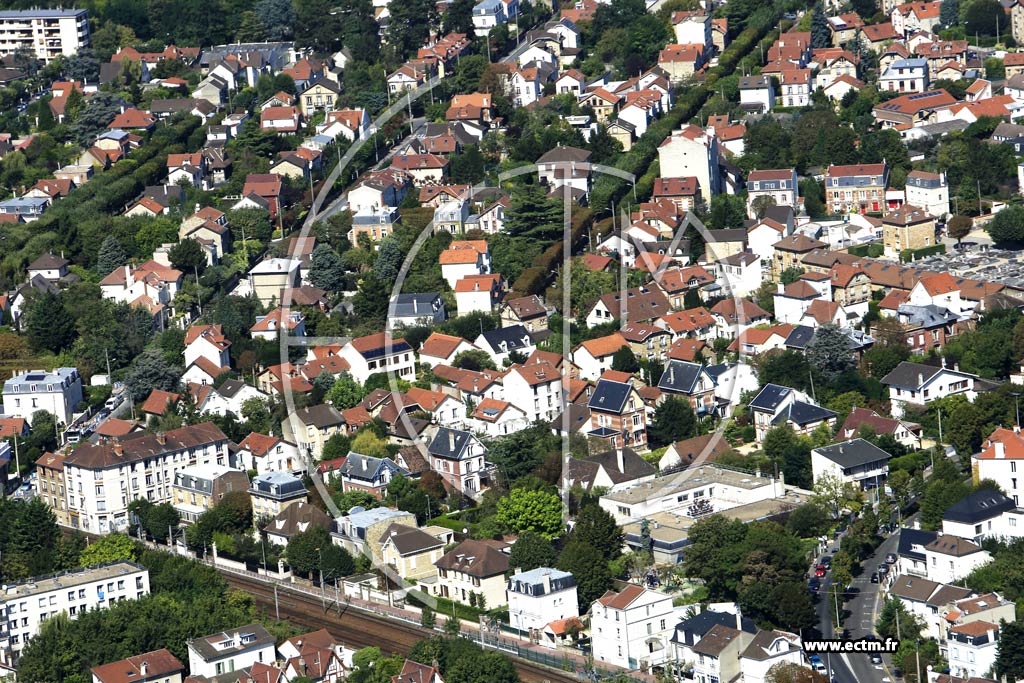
x: 908, y: 255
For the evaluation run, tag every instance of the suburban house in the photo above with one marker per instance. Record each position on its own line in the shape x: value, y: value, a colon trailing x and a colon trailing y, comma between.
x: 776, y: 405
x: 857, y: 462
x: 631, y: 628
x: 473, y: 567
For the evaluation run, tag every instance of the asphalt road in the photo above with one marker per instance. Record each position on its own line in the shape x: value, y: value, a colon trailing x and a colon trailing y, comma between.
x: 862, y: 613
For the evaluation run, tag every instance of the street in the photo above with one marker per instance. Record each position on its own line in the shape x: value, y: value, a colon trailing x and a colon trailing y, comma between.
x: 862, y: 610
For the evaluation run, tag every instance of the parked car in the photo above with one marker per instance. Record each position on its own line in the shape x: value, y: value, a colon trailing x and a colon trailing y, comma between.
x: 883, y: 568
x: 874, y: 577
x: 820, y: 571
x: 876, y: 658
x: 826, y: 561
x: 890, y: 558
x: 814, y: 585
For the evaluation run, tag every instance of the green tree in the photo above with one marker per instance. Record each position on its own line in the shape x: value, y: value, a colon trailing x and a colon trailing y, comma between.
x: 894, y: 612
x: 458, y: 18
x: 389, y: 259
x: 959, y: 226
x: 533, y: 214
x: 531, y: 510
x: 597, y: 528
x: 674, y: 420
x: 982, y: 17
x: 109, y: 548
x: 949, y: 13
x: 326, y: 270
x: 829, y: 351
x: 727, y: 211
x: 48, y: 324
x: 428, y: 618
x: 151, y: 371
x: 1010, y: 651
x: 188, y: 256
x: 99, y: 110
x: 317, y: 26
x: 821, y: 36
x: 73, y: 105
x: 1007, y: 226
x: 530, y: 551
x: 588, y: 566
x: 488, y: 667
x: 808, y: 520
x: 624, y: 360
x: 277, y: 16
x: 345, y: 393
x: 371, y: 301
x: 111, y: 255
x: 411, y: 24
x: 836, y: 495
x: 475, y: 360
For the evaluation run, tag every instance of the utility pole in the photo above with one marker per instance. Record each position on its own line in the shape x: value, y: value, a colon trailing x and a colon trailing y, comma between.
x: 277, y: 608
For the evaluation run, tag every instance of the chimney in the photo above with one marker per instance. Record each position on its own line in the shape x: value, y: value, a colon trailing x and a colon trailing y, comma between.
x: 739, y: 619
x: 127, y: 275
x: 451, y: 441
x: 943, y: 362
x: 161, y: 438
x: 619, y: 459
x: 547, y: 583
x: 956, y: 367
x: 1000, y: 450
x: 920, y: 379
x: 118, y: 448
x: 144, y: 669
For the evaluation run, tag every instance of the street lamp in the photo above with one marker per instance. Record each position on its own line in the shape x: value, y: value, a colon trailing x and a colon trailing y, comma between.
x: 1016, y: 403
x: 323, y: 596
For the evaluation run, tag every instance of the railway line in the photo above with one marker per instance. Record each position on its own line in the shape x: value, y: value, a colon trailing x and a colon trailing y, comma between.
x: 356, y: 627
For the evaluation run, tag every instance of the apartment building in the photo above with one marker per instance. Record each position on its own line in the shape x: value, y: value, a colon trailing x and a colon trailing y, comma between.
x: 102, y: 479
x: 24, y: 606
x: 48, y: 33
x: 58, y: 392
x: 856, y: 188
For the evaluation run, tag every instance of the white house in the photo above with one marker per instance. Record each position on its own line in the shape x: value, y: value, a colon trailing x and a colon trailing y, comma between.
x: 793, y: 300
x: 464, y: 257
x: 503, y: 341
x: 478, y: 293
x: 262, y: 454
x: 594, y: 356
x: 917, y: 384
x: 495, y: 417
x: 779, y: 185
x: 857, y: 462
x: 442, y: 349
x: 972, y: 649
x: 540, y: 596
x: 905, y: 76
x: 950, y: 558
x: 757, y: 93
x: 739, y: 274
x: 691, y: 151
x: 379, y: 352
x: 229, y: 397
x: 631, y: 629
x: 930, y: 191
x: 536, y: 389
x: 231, y: 650
x: 58, y: 392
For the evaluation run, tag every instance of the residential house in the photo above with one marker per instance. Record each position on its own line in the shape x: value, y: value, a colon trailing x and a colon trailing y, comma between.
x: 535, y: 389
x: 262, y: 454
x: 858, y: 462
x: 57, y: 392
x: 311, y: 427
x: 690, y: 381
x: 502, y: 342
x: 692, y: 152
x: 681, y: 62
x: 365, y: 473
x: 319, y: 95
x: 915, y: 385
x: 930, y: 191
x: 379, y: 353
x: 776, y: 405
x: 528, y: 311
x: 856, y: 188
x: 796, y: 85
x: 906, y: 433
x: 905, y: 76
x: 473, y: 567
x: 225, y: 651
x: 281, y: 120
x: 618, y: 413
x: 294, y: 520
x: 412, y: 552
x: 199, y: 487
x: 778, y: 185
x: 158, y: 666
x: 565, y: 166
x: 459, y: 457
x: 757, y: 93
x: 539, y: 596
x: 612, y: 470
x: 631, y: 628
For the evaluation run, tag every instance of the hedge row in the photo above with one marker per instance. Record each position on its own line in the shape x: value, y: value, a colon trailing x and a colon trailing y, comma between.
x: 534, y: 280
x: 639, y: 159
x: 908, y: 255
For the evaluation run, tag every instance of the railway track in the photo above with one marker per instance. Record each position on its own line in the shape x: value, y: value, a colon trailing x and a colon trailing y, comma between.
x: 358, y: 628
